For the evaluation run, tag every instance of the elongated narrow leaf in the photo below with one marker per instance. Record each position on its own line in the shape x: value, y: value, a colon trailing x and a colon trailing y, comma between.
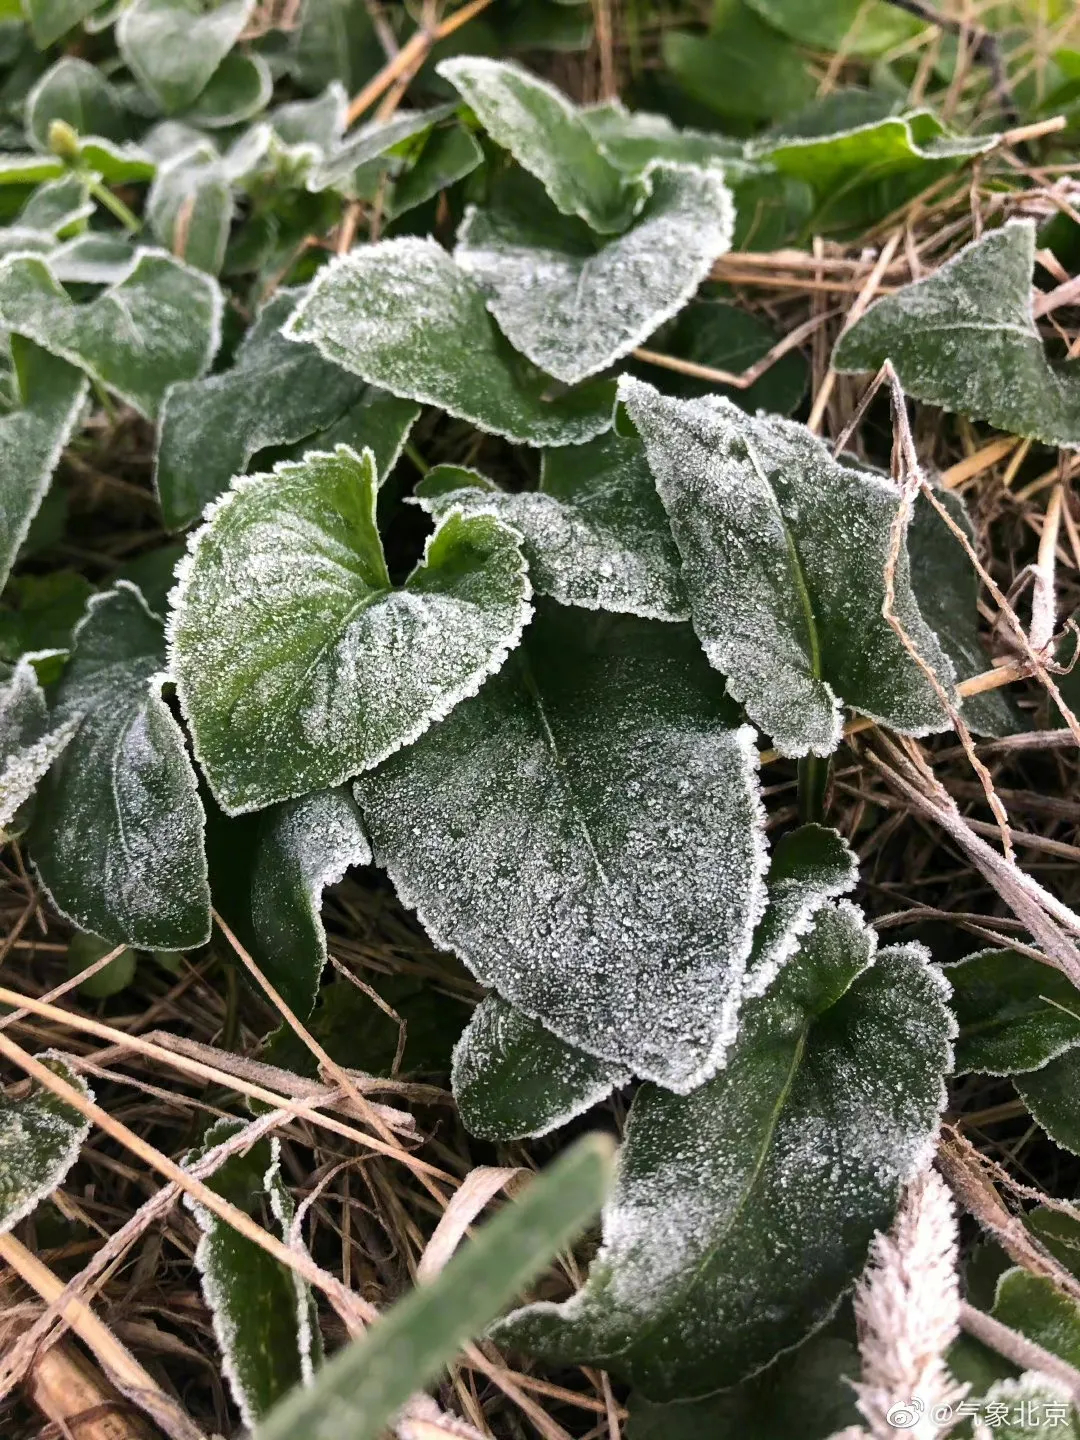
x: 441, y: 348
x: 358, y: 1391
x: 302, y: 847
x: 263, y: 1313
x: 276, y: 393
x: 512, y: 1078
x: 573, y: 308
x: 595, y: 534
x: 1015, y: 1013
x: 743, y: 1211
x: 28, y: 745
x: 40, y: 1140
x: 32, y: 436
x: 371, y: 142
x: 965, y: 338
x: 118, y: 830
x: 297, y: 663
x: 784, y: 553
x: 190, y: 208
x: 77, y: 93
x: 548, y: 137
x: 160, y: 324
x: 173, y: 47
x: 586, y: 835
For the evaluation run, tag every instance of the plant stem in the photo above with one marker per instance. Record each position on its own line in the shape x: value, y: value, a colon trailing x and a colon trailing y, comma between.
x: 115, y: 206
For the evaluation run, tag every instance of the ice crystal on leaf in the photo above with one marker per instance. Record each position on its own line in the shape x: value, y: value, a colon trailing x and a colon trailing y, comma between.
x: 27, y: 744
x: 40, y: 1140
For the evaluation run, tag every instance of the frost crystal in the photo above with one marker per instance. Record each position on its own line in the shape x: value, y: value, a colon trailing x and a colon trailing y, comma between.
x: 40, y: 1140
x: 27, y: 745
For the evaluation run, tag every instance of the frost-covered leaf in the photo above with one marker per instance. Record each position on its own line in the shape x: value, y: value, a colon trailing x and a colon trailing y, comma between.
x: 857, y: 27
x: 1019, y: 1409
x: 948, y: 590
x: 512, y: 1078
x: 358, y: 1391
x: 441, y: 347
x: 301, y: 848
x: 240, y: 87
x: 965, y: 338
x: 123, y: 164
x: 117, y: 836
x: 173, y: 47
x: 58, y: 206
x: 276, y: 393
x: 40, y: 611
x: 335, y: 40
x: 190, y: 208
x: 40, y: 1140
x: 297, y: 662
x: 805, y: 1394
x: 635, y: 140
x: 743, y: 1210
x: 28, y: 745
x: 31, y: 439
x: 586, y: 835
x: 1015, y: 1013
x: 78, y: 93
x: 784, y: 551
x: 159, y: 324
x: 263, y: 1313
x: 575, y: 308
x: 49, y: 19
x: 862, y: 174
x: 84, y: 950
x: 1052, y: 1097
x: 809, y: 867
x: 98, y: 257
x: 594, y: 534
x: 548, y: 137
x: 450, y: 152
x: 742, y: 68
x: 1035, y: 1307
x: 318, y: 123
x: 371, y: 142
x: 29, y: 169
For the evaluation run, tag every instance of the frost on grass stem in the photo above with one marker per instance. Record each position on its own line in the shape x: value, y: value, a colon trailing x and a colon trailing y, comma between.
x: 907, y: 1306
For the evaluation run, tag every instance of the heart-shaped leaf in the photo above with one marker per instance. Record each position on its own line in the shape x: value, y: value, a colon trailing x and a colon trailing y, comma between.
x: 173, y: 47
x: 161, y: 323
x: 548, y: 137
x: 190, y: 208
x: 40, y: 1140
x: 263, y: 1313
x: 276, y: 393
x: 594, y: 534
x: 743, y: 1211
x: 117, y: 835
x: 31, y: 439
x: 445, y: 351
x: 297, y: 662
x: 573, y: 307
x: 965, y: 338
x: 586, y: 835
x: 301, y: 847
x: 784, y: 553
x: 77, y: 93
x: 513, y: 1079
x: 28, y: 745
x: 1015, y: 1013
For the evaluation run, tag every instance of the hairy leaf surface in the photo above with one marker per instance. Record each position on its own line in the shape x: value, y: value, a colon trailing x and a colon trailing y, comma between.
x: 297, y: 663
x: 586, y: 835
x: 77, y: 93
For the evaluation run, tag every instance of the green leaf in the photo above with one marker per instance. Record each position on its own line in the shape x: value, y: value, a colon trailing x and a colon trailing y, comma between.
x: 357, y: 1392
x: 190, y: 208
x: 852, y: 26
x: 586, y: 835
x: 50, y: 19
x: 1035, y: 1307
x: 948, y: 591
x: 263, y: 1314
x: 1052, y: 1097
x: 98, y: 257
x: 302, y: 847
x: 31, y: 439
x: 742, y: 69
x: 84, y: 950
x: 448, y: 155
x: 445, y: 351
x: 743, y: 1211
x: 574, y: 309
x: 784, y: 551
x: 117, y: 836
x: 1015, y: 1013
x: 27, y: 745
x: 636, y: 140
x: 116, y: 164
x: 595, y: 534
x: 40, y: 1140
x: 238, y: 89
x: 318, y: 123
x: 805, y: 1394
x: 1015, y: 1409
x: 548, y: 137
x: 58, y: 206
x: 371, y: 142
x: 159, y: 324
x: 173, y: 47
x: 335, y: 40
x: 77, y: 93
x: 965, y: 338
x: 29, y: 169
x: 297, y: 663
x: 276, y: 393
x: 513, y: 1079
x: 41, y: 611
